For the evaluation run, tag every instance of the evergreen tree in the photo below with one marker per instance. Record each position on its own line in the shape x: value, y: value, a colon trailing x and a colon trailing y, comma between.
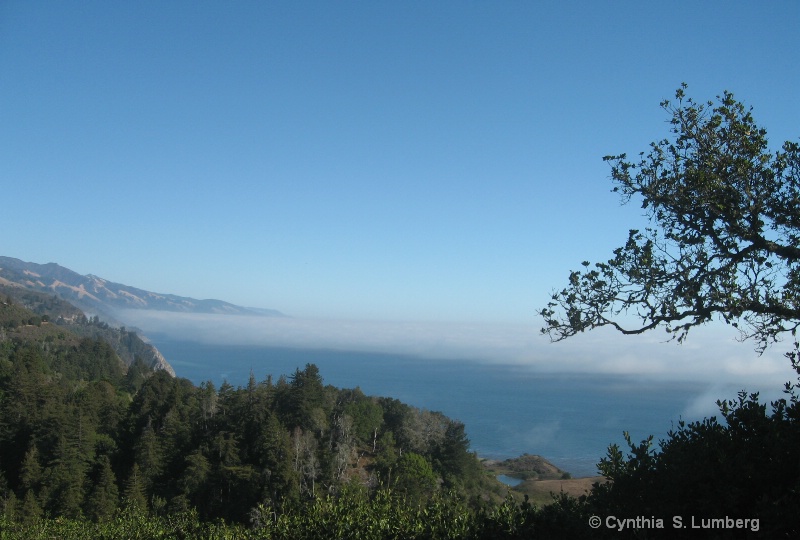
x: 193, y: 483
x: 302, y: 401
x: 134, y: 497
x: 415, y: 477
x: 31, y: 471
x: 136, y: 375
x: 103, y: 500
x: 281, y: 482
x: 452, y: 457
x: 367, y: 418
x: 31, y: 511
x: 148, y: 455
x: 10, y: 506
x: 208, y: 404
x: 386, y: 458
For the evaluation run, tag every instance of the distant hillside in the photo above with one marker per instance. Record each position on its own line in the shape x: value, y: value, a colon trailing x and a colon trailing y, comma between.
x: 95, y: 295
x: 30, y: 315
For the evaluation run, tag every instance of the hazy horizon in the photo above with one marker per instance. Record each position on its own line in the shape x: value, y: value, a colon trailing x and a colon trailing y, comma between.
x: 711, y: 354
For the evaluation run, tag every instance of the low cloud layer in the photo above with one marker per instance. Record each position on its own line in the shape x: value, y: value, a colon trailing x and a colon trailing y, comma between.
x: 710, y: 355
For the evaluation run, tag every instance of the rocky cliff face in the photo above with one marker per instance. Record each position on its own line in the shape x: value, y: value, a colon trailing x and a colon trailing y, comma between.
x: 130, y: 345
x: 158, y: 362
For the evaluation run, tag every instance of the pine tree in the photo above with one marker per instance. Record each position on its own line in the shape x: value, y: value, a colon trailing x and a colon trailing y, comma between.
x: 135, y: 496
x: 275, y: 457
x: 63, y: 479
x: 149, y: 455
x: 31, y: 472
x: 102, y: 502
x: 31, y: 510
x: 10, y: 506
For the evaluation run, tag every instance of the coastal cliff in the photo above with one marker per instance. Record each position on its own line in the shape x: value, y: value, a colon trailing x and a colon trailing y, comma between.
x: 27, y: 310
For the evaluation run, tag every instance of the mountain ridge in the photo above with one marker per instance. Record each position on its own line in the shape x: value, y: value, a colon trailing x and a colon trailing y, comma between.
x: 94, y: 294
x: 98, y: 298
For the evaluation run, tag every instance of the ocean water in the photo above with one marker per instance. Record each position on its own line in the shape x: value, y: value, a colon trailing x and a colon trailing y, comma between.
x: 508, y: 410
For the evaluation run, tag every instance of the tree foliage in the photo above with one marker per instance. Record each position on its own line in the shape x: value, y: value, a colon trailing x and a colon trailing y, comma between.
x: 81, y: 439
x: 725, y: 242
x: 746, y: 465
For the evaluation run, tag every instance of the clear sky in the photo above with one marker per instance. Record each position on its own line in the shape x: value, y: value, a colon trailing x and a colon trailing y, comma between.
x: 380, y: 161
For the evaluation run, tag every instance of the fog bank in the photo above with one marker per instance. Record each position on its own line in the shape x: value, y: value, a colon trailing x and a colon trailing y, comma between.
x: 711, y: 354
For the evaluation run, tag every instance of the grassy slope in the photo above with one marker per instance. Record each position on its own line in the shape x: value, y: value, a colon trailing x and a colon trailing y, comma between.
x: 540, y: 478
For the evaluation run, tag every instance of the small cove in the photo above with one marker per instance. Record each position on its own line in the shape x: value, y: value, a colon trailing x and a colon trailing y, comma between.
x: 509, y: 480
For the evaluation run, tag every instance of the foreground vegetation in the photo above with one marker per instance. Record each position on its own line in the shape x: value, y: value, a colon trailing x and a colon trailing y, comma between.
x: 351, y: 514
x: 747, y: 466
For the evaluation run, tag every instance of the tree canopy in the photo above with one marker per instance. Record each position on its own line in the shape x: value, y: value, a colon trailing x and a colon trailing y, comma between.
x: 725, y: 240
x: 81, y: 438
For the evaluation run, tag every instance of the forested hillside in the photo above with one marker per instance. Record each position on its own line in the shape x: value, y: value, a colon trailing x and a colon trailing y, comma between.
x: 85, y: 436
x: 71, y: 320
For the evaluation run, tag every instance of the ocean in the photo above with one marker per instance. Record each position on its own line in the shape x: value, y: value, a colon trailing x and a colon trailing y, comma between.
x: 508, y: 410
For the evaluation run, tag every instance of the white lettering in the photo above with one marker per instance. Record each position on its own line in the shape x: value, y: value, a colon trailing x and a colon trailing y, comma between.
x: 721, y: 523
x: 641, y: 522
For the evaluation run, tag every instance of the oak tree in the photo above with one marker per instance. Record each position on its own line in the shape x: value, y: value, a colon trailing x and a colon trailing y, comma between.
x: 724, y: 242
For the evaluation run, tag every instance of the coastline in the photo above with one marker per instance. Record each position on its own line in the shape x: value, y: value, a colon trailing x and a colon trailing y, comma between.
x: 538, y: 478
x: 571, y: 419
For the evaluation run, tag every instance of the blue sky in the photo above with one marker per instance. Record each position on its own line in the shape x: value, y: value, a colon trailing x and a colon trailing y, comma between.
x: 379, y: 161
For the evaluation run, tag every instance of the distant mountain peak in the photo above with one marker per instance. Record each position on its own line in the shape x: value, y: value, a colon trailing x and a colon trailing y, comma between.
x: 94, y: 294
